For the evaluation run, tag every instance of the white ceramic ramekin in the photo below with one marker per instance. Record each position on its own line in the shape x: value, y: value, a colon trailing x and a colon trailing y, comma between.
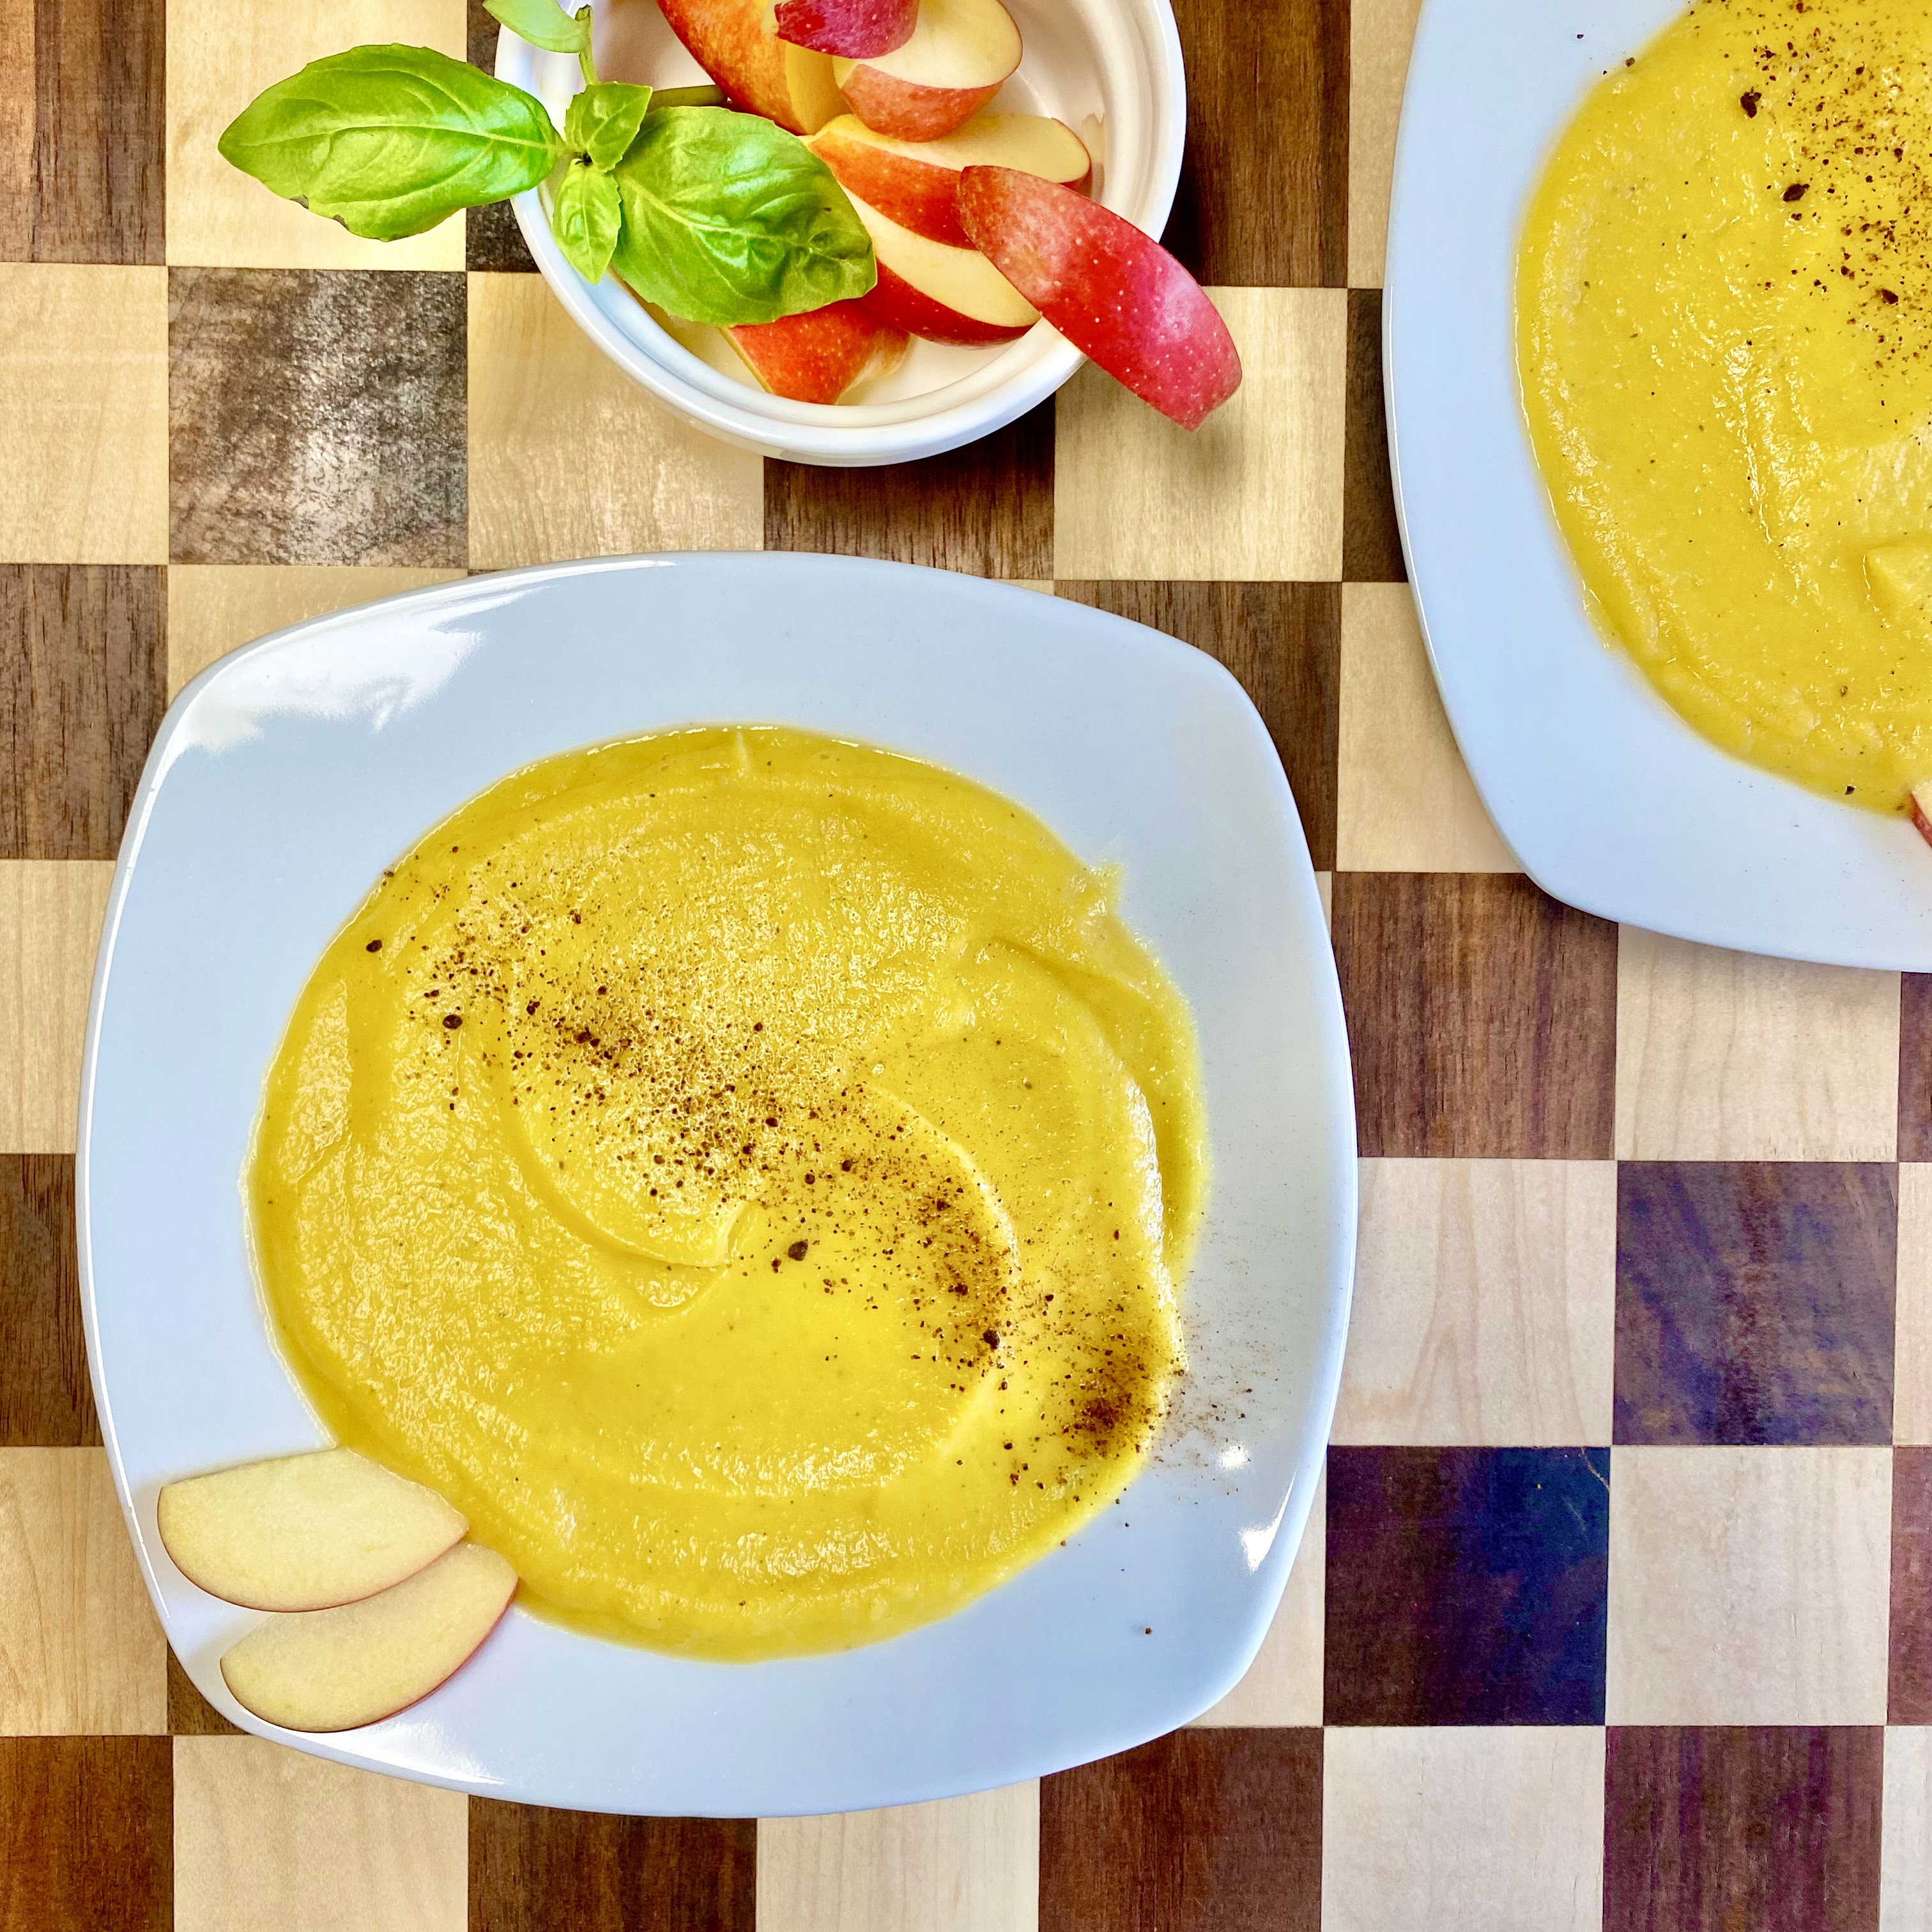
x: 1110, y: 69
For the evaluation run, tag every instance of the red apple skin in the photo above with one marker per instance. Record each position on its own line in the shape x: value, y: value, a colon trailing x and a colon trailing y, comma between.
x: 915, y: 194
x: 1921, y: 808
x: 1117, y: 296
x: 920, y: 195
x: 851, y: 29
x: 908, y: 111
x: 893, y: 301
x: 815, y: 358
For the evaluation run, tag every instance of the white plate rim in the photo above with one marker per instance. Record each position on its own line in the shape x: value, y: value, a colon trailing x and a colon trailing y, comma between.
x: 1281, y: 1536
x: 1608, y: 799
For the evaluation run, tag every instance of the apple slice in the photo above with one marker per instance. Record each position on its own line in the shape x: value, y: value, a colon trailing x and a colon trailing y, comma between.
x: 333, y: 1670
x: 1114, y: 294
x: 943, y: 294
x: 916, y: 183
x: 959, y: 53
x: 856, y: 29
x: 304, y: 1532
x: 815, y: 358
x: 1921, y: 808
x: 733, y: 41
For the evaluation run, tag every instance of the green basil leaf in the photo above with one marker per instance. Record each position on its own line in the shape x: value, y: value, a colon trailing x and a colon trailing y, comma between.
x: 543, y: 24
x: 585, y: 218
x: 388, y: 140
x: 604, y: 118
x: 728, y: 218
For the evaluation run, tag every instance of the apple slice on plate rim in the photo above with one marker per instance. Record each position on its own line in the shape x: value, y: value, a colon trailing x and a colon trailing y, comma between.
x: 338, y: 1669
x: 304, y: 1532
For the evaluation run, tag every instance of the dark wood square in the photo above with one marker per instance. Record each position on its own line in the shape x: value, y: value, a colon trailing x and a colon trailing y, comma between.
x: 1466, y: 1586
x: 1755, y: 1301
x: 533, y: 1870
x: 1264, y: 197
x: 1710, y: 1830
x: 1482, y: 1015
x: 1909, y: 1697
x: 86, y: 1834
x: 46, y: 1401
x: 1284, y: 643
x: 986, y: 509
x: 83, y: 683
x: 1915, y: 1066
x: 1202, y: 1831
x: 257, y: 358
x: 1371, y: 538
x: 82, y: 169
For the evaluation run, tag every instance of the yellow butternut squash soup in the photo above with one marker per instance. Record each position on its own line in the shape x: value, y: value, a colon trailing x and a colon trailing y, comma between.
x: 747, y: 1174
x: 1724, y: 329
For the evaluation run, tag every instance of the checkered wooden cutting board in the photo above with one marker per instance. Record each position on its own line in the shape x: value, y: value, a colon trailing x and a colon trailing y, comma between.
x: 1616, y: 1190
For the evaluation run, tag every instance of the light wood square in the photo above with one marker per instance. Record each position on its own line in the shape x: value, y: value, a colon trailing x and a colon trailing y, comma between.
x: 1253, y: 495
x: 1460, y: 1828
x: 268, y: 1840
x: 219, y: 57
x: 1749, y: 1585
x: 1905, y: 1862
x: 1485, y: 1304
x: 1912, y: 1355
x: 569, y: 458
x: 50, y: 915
x: 1380, y: 32
x: 81, y: 1654
x: 1726, y: 1056
x: 1283, y: 1684
x: 963, y: 1864
x: 214, y: 608
x: 83, y: 414
x: 1405, y: 800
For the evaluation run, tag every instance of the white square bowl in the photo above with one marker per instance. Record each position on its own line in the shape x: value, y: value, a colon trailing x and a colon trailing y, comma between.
x: 285, y: 777
x: 1609, y: 799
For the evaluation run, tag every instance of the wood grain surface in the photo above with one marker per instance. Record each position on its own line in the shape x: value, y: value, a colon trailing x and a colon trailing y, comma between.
x: 81, y: 171
x: 1482, y: 1016
x: 987, y: 508
x: 1206, y: 1831
x: 81, y: 691
x: 86, y: 1833
x: 536, y: 1870
x: 1613, y: 1186
x: 46, y: 1398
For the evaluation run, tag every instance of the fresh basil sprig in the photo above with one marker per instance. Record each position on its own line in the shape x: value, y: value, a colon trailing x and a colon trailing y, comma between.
x: 728, y: 218
x: 390, y: 140
x: 586, y: 218
x: 716, y: 216
x: 602, y: 121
